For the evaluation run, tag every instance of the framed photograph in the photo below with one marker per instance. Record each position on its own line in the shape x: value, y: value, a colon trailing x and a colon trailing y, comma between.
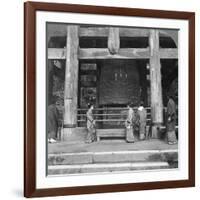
x: 109, y: 99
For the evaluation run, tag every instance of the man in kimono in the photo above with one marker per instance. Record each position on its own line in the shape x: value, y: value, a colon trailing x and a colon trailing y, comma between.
x: 129, y: 124
x: 142, y: 118
x: 171, y: 121
x: 91, y: 132
x: 53, y: 121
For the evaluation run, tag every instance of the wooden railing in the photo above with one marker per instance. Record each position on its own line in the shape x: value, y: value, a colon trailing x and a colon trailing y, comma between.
x: 111, y: 116
x: 107, y: 117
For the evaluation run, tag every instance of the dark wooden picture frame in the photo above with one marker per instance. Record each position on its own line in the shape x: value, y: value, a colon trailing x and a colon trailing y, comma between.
x: 30, y: 9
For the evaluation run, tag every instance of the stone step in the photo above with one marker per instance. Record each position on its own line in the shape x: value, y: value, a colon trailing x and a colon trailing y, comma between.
x: 105, y: 167
x: 113, y: 157
x: 112, y: 133
x: 115, y: 131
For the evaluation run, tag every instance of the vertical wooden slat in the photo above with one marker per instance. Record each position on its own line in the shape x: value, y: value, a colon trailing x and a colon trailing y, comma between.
x: 71, y: 81
x: 155, y: 81
x: 113, y: 40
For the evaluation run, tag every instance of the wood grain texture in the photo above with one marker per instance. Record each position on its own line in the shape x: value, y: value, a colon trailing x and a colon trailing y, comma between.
x: 71, y: 76
x: 58, y: 30
x: 113, y: 40
x: 125, y: 53
x: 155, y: 77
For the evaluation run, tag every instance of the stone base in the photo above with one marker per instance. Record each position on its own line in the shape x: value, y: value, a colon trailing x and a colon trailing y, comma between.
x: 156, y: 131
x: 74, y: 134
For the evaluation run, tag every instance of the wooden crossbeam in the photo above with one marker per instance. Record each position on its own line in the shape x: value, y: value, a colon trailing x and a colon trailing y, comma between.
x: 94, y: 32
x: 101, y: 53
x: 57, y: 53
x: 168, y: 53
x: 56, y: 30
x: 60, y: 30
x: 133, y: 32
x: 127, y: 53
x: 103, y: 32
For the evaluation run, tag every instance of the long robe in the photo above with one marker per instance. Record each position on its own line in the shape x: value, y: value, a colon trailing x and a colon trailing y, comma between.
x: 52, y: 121
x: 91, y: 133
x: 129, y: 125
x: 142, y: 115
x: 171, y: 121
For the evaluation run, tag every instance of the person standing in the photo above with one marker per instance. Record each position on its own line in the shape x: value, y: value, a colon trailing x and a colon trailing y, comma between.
x: 53, y: 121
x: 129, y: 124
x: 171, y: 121
x: 91, y: 132
x: 142, y: 118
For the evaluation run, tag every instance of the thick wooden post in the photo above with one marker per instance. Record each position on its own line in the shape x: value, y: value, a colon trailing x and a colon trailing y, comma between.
x: 71, y: 81
x: 50, y: 82
x: 155, y: 83
x: 113, y: 40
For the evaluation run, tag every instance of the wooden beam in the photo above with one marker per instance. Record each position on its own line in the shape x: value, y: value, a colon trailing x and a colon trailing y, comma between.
x: 60, y: 30
x: 133, y: 32
x: 104, y: 32
x: 168, y: 53
x: 57, y: 53
x: 128, y: 53
x: 155, y: 81
x: 101, y: 53
x: 125, y: 53
x: 71, y: 81
x: 56, y: 30
x: 94, y: 32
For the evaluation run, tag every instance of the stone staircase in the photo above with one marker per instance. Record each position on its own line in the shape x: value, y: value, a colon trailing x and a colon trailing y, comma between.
x: 111, y: 161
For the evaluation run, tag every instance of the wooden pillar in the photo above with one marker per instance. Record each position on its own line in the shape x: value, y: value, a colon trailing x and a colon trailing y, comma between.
x: 113, y: 40
x: 155, y: 83
x: 71, y: 82
x: 50, y: 82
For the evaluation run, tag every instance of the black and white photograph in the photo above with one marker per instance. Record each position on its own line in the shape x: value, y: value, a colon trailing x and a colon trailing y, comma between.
x: 111, y: 99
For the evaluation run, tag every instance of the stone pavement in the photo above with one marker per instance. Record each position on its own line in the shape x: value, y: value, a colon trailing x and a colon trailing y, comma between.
x: 109, y: 145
